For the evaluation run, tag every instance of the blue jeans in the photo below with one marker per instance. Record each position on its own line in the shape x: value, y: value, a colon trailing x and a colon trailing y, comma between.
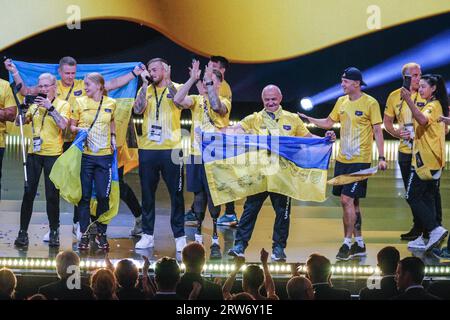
x: 152, y: 163
x: 94, y: 169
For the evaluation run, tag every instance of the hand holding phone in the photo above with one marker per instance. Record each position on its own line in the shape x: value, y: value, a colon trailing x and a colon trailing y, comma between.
x: 407, y: 82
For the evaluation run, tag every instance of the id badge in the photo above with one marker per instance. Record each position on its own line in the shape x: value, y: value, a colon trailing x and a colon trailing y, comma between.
x: 155, y: 133
x: 37, y: 143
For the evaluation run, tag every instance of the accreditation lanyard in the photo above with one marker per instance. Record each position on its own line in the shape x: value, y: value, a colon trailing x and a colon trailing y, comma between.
x: 96, y: 115
x: 70, y: 91
x: 158, y: 101
x: 43, y: 119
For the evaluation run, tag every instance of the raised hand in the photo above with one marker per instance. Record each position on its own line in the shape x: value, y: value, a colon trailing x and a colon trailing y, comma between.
x: 194, y: 71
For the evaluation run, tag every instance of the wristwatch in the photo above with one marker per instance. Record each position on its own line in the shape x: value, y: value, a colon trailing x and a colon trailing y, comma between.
x: 51, y: 109
x: 382, y: 158
x: 210, y: 83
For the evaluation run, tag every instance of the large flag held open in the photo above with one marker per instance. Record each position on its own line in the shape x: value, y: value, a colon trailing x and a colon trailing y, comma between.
x: 238, y: 166
x: 66, y: 171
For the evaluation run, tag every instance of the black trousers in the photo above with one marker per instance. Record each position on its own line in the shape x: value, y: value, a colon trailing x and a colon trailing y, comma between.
x: 127, y: 195
x: 35, y: 165
x: 94, y: 169
x: 404, y: 162
x: 252, y: 206
x: 152, y: 163
x: 424, y: 199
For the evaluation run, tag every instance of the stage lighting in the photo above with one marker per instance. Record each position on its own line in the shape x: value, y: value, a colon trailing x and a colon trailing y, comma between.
x: 432, y: 53
x: 306, y: 104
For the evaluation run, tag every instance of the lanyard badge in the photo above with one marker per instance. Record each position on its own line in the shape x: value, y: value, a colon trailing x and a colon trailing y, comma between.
x: 155, y: 132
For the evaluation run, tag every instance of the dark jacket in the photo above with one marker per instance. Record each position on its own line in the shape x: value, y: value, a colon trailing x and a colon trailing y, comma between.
x: 159, y: 296
x: 327, y: 292
x: 130, y: 294
x: 387, y: 290
x: 415, y: 294
x: 209, y: 291
x: 59, y: 291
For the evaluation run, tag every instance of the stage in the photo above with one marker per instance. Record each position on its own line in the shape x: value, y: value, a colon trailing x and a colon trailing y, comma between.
x: 315, y: 227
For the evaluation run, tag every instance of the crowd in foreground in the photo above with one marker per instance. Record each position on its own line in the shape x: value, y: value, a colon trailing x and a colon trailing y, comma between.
x: 400, y: 279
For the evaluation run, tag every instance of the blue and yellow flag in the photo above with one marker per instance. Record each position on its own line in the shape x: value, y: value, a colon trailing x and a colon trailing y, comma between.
x: 238, y: 166
x: 124, y: 97
x: 65, y: 173
x: 66, y: 170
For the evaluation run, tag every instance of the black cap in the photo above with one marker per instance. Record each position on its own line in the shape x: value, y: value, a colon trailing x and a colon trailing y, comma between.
x: 353, y: 73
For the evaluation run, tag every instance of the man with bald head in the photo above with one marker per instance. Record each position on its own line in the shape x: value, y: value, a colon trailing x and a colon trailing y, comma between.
x: 272, y: 120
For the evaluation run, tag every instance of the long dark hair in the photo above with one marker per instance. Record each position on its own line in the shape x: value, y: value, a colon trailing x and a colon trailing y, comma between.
x: 440, y: 93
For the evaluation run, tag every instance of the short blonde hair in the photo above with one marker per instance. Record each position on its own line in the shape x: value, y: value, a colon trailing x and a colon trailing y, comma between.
x: 48, y: 76
x: 409, y: 65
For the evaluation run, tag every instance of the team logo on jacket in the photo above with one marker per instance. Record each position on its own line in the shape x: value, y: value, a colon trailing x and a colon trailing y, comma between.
x: 169, y: 96
x: 358, y: 113
x: 78, y: 93
x: 286, y: 127
x: 420, y: 104
x: 108, y: 110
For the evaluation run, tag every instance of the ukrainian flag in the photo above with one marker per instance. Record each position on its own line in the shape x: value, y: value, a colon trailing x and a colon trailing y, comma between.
x: 238, y: 166
x: 66, y: 170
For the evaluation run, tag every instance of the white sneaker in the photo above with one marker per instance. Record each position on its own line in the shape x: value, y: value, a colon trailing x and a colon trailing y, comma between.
x: 46, y: 237
x: 180, y: 243
x: 419, y: 243
x: 76, y: 232
x: 436, y: 236
x: 199, y: 238
x: 146, y: 241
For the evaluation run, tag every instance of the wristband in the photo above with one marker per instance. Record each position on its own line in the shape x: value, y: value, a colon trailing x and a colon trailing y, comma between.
x: 134, y: 74
x: 382, y: 158
x: 51, y: 109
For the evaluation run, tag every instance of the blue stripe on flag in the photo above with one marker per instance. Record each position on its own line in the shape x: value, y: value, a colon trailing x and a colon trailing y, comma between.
x: 30, y: 73
x: 307, y: 153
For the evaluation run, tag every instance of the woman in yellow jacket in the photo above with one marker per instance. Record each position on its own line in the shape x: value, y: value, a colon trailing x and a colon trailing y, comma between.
x: 95, y: 113
x: 428, y: 158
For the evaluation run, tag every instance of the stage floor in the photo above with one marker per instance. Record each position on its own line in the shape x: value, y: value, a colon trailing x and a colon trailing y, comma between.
x: 315, y: 227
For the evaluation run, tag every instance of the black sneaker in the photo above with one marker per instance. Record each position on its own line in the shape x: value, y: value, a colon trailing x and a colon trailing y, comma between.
x: 190, y: 219
x: 54, y: 238
x: 84, y: 242
x: 215, y: 252
x: 344, y: 253
x: 101, y: 241
x: 22, y: 239
x: 357, y: 251
x: 278, y: 254
x: 237, y: 251
x: 411, y: 235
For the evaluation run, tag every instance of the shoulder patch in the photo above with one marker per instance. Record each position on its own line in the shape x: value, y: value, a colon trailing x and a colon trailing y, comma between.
x: 78, y: 93
x: 108, y: 110
x: 287, y: 127
x: 358, y: 113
